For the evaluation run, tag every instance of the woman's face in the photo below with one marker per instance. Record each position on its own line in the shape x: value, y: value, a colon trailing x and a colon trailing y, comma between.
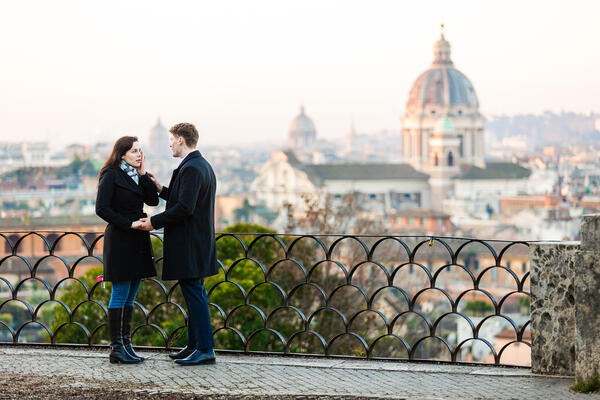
x: 133, y: 156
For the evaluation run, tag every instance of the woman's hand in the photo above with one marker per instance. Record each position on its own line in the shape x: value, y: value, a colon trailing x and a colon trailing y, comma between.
x: 155, y: 181
x: 141, y: 170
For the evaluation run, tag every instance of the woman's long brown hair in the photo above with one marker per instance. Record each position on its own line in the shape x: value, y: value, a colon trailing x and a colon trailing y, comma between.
x: 122, y: 146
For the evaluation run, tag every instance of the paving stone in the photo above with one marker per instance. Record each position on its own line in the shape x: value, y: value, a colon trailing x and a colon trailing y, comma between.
x: 278, y: 377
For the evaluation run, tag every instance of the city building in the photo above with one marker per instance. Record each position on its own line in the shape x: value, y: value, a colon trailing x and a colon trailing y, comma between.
x: 482, y: 188
x: 442, y: 92
x: 158, y: 141
x: 159, y: 158
x: 443, y: 136
x: 420, y: 221
x: 442, y: 126
x: 285, y: 180
x: 302, y: 132
x: 70, y: 247
x: 14, y: 155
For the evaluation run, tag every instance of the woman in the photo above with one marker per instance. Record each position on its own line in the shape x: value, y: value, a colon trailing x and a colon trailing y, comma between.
x: 123, y: 188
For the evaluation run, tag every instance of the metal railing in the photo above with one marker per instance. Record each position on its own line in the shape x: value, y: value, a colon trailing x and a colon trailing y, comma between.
x: 399, y: 297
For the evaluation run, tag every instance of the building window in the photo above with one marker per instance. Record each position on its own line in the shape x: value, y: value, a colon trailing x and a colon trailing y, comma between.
x: 450, y: 159
x: 436, y: 160
x: 524, y: 267
x: 476, y: 264
x: 372, y: 196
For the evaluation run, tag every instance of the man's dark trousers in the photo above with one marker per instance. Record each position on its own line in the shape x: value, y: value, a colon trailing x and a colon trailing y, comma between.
x: 200, y: 335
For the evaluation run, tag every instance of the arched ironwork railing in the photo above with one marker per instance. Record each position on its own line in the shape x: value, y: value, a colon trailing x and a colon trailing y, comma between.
x: 399, y: 297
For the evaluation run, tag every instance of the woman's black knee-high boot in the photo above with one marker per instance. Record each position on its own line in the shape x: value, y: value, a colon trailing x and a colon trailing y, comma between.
x: 118, y: 354
x: 126, y: 332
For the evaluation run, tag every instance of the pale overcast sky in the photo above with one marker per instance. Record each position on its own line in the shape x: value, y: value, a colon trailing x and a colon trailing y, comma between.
x: 85, y: 70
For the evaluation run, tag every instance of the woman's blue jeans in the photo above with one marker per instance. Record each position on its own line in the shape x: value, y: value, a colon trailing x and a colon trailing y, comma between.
x: 123, y: 293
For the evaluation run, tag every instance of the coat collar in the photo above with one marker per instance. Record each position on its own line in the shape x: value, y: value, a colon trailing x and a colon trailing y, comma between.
x: 126, y: 180
x: 193, y: 154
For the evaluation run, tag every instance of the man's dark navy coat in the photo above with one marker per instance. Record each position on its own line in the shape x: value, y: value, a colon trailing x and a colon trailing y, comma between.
x: 189, y: 250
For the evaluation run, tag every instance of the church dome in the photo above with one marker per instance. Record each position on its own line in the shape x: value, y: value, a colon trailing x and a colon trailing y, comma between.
x: 441, y: 85
x: 302, y: 130
x: 158, y: 140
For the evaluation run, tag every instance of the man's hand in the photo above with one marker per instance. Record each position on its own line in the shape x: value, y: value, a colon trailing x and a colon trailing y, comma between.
x: 145, y: 224
x: 155, y: 181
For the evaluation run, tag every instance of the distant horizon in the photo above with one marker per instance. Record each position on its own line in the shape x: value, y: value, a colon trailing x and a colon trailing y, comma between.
x: 274, y: 142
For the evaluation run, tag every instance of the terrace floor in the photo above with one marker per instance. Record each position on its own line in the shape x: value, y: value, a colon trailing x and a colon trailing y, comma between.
x: 28, y: 372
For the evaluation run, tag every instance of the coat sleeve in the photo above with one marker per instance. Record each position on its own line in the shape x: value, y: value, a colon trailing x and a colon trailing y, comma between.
x: 164, y: 193
x: 191, y: 182
x: 106, y: 188
x: 150, y: 195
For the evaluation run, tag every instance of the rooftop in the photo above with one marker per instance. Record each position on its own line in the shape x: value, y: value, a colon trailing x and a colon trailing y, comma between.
x: 496, y: 170
x: 364, y: 171
x: 421, y: 213
x: 355, y: 171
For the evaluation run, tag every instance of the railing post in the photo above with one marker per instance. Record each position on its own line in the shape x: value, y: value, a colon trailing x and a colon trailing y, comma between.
x: 553, y: 307
x: 587, y: 300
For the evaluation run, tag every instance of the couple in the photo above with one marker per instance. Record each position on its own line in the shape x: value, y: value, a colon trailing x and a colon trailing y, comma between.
x: 189, y: 239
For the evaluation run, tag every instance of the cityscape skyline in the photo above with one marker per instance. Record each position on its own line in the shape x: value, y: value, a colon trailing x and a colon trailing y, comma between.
x: 240, y: 72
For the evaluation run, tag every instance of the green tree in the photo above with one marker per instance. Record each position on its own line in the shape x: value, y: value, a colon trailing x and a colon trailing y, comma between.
x: 242, y: 295
x: 478, y: 307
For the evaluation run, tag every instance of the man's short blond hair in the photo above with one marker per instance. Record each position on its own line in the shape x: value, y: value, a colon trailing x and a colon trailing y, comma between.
x: 187, y: 131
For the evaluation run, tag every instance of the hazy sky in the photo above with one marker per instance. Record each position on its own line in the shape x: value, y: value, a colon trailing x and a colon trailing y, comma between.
x: 85, y: 70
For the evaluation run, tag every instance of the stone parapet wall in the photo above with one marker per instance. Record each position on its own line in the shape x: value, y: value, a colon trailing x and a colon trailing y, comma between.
x: 565, y: 304
x: 553, y: 307
x: 587, y: 305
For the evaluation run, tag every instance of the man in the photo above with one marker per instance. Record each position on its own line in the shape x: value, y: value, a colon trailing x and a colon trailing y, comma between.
x: 189, y: 252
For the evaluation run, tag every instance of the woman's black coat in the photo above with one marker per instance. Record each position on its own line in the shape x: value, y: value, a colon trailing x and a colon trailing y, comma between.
x: 189, y: 250
x: 120, y: 201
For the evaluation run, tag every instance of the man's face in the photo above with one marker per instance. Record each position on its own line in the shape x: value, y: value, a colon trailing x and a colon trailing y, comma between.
x: 175, y: 144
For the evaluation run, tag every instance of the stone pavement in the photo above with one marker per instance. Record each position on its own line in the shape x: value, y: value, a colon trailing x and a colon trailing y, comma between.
x: 248, y: 376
